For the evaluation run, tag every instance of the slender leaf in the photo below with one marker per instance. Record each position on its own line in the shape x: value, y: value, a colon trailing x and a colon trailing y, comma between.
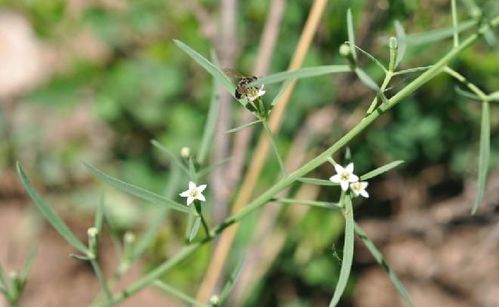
x: 213, y: 70
x: 231, y: 281
x: 412, y: 70
x: 192, y: 170
x: 494, y: 96
x: 28, y: 263
x: 49, y: 214
x: 312, y: 203
x: 194, y: 229
x: 3, y: 279
x: 364, y: 78
x: 346, y: 263
x: 273, y: 143
x: 306, y: 72
x: 171, y: 155
x: 483, y: 156
x: 244, y: 126
x: 380, y: 170
x: 211, y: 122
x: 402, y: 42
x: 284, y: 87
x: 384, y: 264
x: 205, y: 171
x: 438, y: 34
x: 179, y: 294
x: 351, y: 34
x: 372, y: 58
x: 466, y: 94
x: 152, y: 228
x: 316, y: 181
x: 138, y: 191
x: 455, y: 24
x: 99, y: 215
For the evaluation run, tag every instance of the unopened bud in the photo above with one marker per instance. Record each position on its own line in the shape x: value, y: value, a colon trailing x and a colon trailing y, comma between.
x: 214, y: 300
x: 185, y: 152
x: 92, y: 232
x: 129, y: 237
x: 344, y: 50
x: 393, y: 43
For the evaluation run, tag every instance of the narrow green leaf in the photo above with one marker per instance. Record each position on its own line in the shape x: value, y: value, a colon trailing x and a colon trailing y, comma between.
x: 384, y: 264
x: 192, y: 170
x: 316, y: 181
x: 380, y: 170
x: 152, y: 228
x: 364, y: 78
x: 207, y: 170
x: 216, y: 72
x: 371, y: 57
x: 137, y: 191
x: 231, y: 281
x: 194, y: 229
x: 273, y: 143
x: 28, y: 263
x: 79, y: 257
x: 483, y: 156
x: 312, y: 203
x: 351, y: 34
x: 412, y: 70
x: 466, y: 94
x: 455, y: 24
x: 171, y: 155
x: 179, y: 294
x: 438, y: 34
x: 211, y: 122
x: 346, y: 263
x: 3, y: 279
x: 49, y: 214
x: 494, y: 96
x: 402, y: 42
x: 99, y: 214
x: 301, y: 73
x: 244, y: 126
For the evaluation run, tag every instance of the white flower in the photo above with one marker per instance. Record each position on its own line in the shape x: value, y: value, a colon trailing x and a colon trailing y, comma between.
x: 359, y: 188
x: 344, y: 176
x: 194, y: 192
x: 254, y: 93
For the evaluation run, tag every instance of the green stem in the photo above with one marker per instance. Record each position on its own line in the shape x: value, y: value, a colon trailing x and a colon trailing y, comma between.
x: 386, y: 81
x: 197, y: 205
x: 274, y: 146
x: 100, y: 278
x: 177, y: 293
x: 289, y: 179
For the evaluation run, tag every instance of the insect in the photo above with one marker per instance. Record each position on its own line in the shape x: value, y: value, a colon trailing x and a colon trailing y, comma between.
x: 242, y: 90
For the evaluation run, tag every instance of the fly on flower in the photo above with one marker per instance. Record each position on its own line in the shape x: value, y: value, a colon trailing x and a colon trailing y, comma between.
x: 243, y: 91
x: 249, y: 94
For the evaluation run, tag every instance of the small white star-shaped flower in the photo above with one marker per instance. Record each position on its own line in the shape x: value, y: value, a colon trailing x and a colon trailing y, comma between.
x: 344, y: 176
x: 359, y: 188
x: 254, y: 94
x: 194, y: 192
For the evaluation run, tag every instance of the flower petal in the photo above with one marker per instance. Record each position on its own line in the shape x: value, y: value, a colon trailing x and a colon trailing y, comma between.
x: 190, y: 199
x: 364, y: 193
x: 353, y: 178
x: 349, y: 167
x: 201, y: 197
x: 344, y: 185
x: 185, y: 193
x: 201, y: 188
x: 338, y: 168
x: 335, y: 178
x: 192, y: 185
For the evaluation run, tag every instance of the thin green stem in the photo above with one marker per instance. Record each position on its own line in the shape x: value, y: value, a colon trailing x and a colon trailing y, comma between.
x: 263, y: 198
x: 179, y: 294
x: 312, y: 203
x: 197, y: 205
x: 454, y: 23
x: 100, y: 277
x: 386, y: 81
x: 475, y: 89
x: 274, y: 146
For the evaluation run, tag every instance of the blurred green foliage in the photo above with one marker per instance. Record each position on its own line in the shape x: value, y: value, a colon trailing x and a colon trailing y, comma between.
x: 144, y: 88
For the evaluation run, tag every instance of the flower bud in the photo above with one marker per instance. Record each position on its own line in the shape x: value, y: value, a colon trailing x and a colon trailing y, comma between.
x: 344, y: 50
x: 185, y: 152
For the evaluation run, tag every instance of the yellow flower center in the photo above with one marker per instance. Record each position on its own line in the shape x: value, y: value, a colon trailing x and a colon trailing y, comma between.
x: 193, y: 193
x: 345, y: 176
